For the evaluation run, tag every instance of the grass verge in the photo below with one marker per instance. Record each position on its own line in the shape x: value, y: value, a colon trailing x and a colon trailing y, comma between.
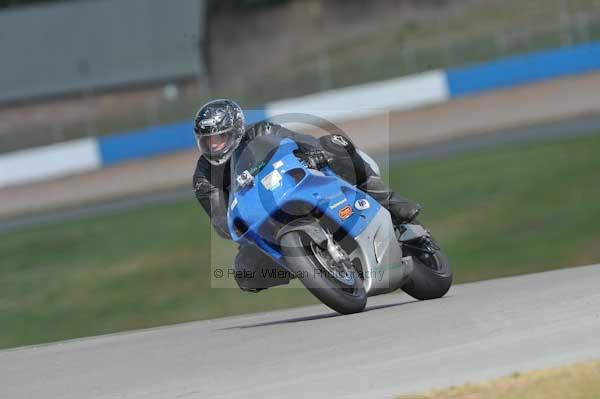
x: 580, y: 381
x: 496, y: 213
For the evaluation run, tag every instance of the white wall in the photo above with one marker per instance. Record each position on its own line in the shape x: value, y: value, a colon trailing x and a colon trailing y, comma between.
x: 55, y: 160
x: 359, y: 101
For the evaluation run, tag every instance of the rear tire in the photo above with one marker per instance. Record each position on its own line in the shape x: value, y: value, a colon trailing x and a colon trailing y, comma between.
x: 344, y: 299
x: 431, y: 277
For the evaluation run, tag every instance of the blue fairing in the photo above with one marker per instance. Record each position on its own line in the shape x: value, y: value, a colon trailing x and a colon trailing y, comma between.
x: 258, y: 211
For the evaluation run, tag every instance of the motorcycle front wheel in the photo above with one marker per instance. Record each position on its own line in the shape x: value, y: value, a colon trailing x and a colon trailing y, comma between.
x: 337, y: 286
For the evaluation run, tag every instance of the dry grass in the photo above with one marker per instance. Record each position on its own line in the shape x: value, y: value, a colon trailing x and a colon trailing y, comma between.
x: 580, y: 381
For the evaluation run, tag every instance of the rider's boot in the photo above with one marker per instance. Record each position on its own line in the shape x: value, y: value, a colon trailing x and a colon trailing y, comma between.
x: 401, y: 209
x: 255, y: 271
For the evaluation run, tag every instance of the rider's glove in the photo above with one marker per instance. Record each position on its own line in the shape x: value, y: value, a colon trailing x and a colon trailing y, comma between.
x: 316, y: 159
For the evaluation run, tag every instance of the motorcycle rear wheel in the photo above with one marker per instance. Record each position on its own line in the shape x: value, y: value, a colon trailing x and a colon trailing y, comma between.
x: 345, y: 296
x: 432, y: 274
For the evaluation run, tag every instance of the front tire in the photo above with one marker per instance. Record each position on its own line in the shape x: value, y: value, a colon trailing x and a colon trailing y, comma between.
x: 298, y: 252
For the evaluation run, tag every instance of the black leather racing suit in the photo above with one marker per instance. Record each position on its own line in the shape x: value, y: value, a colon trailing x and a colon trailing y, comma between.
x: 212, y: 184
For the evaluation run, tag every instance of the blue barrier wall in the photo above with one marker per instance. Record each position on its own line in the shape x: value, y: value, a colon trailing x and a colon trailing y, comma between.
x: 443, y: 85
x: 145, y: 143
x: 154, y: 141
x: 523, y: 69
x: 461, y: 82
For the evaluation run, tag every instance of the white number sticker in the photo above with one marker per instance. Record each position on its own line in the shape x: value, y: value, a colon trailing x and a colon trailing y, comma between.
x: 272, y: 181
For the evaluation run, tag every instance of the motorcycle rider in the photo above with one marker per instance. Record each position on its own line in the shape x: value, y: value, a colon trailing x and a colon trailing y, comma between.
x: 220, y: 128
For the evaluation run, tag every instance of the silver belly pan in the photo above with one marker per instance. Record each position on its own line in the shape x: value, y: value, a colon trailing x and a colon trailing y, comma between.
x: 380, y: 255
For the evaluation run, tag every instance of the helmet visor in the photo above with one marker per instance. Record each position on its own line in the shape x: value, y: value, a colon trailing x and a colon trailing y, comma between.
x: 216, y: 144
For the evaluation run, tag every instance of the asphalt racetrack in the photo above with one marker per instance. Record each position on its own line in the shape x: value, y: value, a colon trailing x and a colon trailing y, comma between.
x: 477, y: 332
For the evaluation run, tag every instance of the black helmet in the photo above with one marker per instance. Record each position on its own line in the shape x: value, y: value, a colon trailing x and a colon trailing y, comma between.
x: 219, y: 128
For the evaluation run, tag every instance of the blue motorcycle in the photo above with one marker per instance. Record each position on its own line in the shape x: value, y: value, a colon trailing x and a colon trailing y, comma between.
x: 335, y: 238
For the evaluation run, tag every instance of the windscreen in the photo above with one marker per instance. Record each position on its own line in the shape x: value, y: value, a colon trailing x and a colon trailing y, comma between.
x: 252, y: 156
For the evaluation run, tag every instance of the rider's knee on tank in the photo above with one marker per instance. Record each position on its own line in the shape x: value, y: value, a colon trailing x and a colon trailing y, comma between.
x: 348, y: 162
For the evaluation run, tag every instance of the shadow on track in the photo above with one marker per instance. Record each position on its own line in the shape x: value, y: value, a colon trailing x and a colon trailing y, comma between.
x: 317, y: 316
